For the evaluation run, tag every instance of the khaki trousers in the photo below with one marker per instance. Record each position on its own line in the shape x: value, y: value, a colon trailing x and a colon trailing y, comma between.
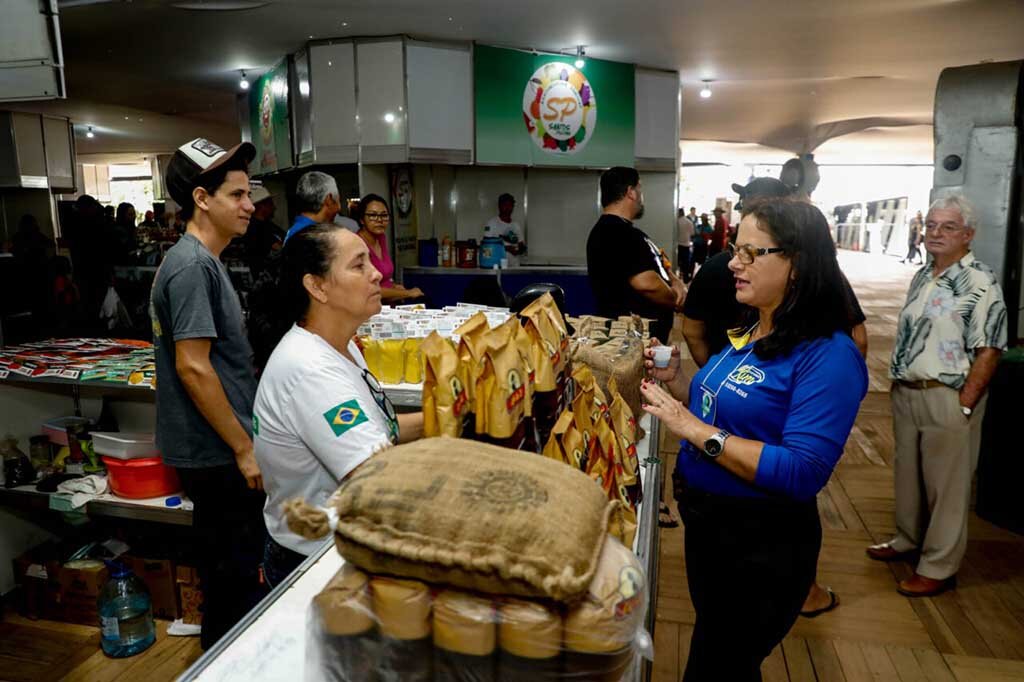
x: 936, y: 455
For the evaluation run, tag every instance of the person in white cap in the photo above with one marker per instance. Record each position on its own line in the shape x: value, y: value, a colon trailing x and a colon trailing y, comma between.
x: 263, y: 236
x: 205, y: 380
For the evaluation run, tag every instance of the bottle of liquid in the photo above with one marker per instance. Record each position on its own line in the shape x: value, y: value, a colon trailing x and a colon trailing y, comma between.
x: 126, y: 614
x: 446, y: 252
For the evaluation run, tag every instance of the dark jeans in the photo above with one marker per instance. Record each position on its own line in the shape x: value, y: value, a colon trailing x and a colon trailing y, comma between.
x: 749, y: 565
x: 279, y: 562
x: 228, y: 523
x: 684, y: 263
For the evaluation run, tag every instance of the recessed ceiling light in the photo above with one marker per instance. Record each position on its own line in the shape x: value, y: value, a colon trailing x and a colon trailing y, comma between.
x: 244, y: 82
x: 389, y: 117
x: 220, y: 5
x: 705, y: 92
x: 89, y: 133
x: 580, y: 61
x: 126, y: 118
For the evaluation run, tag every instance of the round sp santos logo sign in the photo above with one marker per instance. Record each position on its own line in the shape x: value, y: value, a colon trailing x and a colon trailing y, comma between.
x: 559, y: 108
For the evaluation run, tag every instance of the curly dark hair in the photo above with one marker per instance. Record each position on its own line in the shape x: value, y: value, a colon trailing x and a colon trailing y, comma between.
x: 815, y: 304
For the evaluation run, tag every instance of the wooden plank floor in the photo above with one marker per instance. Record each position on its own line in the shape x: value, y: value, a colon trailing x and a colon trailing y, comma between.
x: 973, y: 634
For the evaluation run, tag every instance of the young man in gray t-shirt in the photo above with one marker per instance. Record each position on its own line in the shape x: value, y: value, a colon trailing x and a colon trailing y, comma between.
x: 205, y: 381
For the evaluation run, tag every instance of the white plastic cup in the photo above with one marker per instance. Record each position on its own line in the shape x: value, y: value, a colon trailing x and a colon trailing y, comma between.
x: 662, y: 355
x: 504, y: 263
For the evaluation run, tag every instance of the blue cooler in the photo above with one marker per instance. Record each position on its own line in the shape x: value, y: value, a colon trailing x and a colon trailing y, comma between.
x: 492, y: 250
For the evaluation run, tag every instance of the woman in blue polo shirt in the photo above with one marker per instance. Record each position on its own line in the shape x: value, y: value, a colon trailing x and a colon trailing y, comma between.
x: 767, y: 421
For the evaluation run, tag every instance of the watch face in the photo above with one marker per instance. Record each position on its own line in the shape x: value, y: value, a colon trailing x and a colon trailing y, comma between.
x: 713, y: 447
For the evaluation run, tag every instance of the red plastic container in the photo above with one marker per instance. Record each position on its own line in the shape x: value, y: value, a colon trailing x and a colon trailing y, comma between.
x: 141, y: 478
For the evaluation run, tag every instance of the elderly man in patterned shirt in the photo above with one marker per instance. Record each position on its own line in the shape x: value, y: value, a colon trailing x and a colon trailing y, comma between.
x: 950, y: 335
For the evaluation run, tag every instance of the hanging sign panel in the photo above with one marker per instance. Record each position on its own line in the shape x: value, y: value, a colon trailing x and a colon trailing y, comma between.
x: 535, y: 109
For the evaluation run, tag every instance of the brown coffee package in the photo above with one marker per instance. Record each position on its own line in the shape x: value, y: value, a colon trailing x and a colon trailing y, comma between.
x: 467, y: 514
x: 445, y: 397
x: 553, y: 449
x: 349, y: 644
x: 465, y: 638
x: 501, y: 388
x: 551, y: 347
x: 403, y: 610
x: 471, y: 350
x: 600, y: 630
x: 574, y: 445
x: 529, y: 641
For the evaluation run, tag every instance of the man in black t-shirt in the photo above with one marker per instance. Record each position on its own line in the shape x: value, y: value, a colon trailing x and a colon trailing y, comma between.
x: 626, y: 269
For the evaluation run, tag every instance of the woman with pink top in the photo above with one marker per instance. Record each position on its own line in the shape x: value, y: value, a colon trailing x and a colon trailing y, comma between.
x: 374, y: 218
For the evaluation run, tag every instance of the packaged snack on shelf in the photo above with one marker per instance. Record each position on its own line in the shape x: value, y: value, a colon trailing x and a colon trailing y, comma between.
x: 445, y: 402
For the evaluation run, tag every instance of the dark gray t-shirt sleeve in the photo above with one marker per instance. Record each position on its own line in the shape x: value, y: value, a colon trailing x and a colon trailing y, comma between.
x: 191, y: 293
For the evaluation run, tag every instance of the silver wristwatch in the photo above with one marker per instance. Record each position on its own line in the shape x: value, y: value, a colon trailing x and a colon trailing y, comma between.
x: 714, y: 446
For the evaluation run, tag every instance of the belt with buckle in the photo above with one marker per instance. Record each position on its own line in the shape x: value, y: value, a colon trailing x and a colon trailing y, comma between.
x: 921, y: 384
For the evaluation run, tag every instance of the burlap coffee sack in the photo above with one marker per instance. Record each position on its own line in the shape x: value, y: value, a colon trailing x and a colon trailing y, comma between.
x: 445, y: 397
x: 611, y: 612
x: 345, y: 606
x: 621, y: 358
x: 469, y: 515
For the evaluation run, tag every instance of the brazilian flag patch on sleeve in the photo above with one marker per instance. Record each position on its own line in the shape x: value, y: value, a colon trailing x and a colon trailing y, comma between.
x: 346, y: 416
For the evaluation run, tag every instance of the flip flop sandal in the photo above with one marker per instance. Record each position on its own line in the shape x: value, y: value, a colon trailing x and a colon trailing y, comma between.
x: 833, y: 601
x: 665, y: 518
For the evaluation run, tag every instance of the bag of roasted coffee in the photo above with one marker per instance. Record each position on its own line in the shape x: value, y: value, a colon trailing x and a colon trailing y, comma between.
x: 553, y: 448
x: 346, y: 646
x: 501, y: 389
x: 445, y: 398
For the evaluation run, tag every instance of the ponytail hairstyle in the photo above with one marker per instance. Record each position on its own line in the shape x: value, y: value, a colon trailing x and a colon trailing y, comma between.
x: 279, y: 299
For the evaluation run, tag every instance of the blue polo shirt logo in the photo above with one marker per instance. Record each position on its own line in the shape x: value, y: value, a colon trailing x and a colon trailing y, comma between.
x: 746, y: 375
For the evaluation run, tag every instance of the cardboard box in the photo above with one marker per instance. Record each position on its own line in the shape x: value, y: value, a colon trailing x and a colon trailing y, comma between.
x: 40, y: 585
x: 80, y: 586
x: 160, y: 578
x: 191, y: 596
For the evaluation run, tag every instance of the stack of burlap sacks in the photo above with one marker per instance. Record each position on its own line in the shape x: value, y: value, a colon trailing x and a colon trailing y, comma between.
x: 469, y: 561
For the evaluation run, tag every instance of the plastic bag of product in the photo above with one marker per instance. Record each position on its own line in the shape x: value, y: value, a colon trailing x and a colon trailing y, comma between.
x: 371, y: 350
x: 413, y: 366
x: 445, y: 398
x: 625, y: 427
x: 381, y: 629
x: 501, y: 389
x: 554, y: 449
x: 392, y: 361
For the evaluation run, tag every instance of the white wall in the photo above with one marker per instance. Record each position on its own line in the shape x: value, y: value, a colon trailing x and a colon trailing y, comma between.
x: 477, y: 201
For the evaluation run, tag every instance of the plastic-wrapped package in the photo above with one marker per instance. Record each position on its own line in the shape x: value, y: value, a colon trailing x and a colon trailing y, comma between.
x: 402, y: 608
x: 383, y: 629
x: 465, y: 637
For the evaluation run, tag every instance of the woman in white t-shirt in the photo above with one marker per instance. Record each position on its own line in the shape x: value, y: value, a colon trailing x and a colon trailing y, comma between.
x: 319, y: 412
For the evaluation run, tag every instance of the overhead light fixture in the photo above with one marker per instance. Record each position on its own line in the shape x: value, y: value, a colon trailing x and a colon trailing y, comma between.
x: 244, y: 82
x: 389, y: 117
x: 705, y: 92
x: 580, y: 61
x: 89, y: 133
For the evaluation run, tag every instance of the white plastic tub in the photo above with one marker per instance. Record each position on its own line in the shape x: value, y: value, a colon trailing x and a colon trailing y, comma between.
x: 124, y: 445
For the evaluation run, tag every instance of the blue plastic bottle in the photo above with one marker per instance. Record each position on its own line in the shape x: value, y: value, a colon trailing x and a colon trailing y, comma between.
x: 126, y: 614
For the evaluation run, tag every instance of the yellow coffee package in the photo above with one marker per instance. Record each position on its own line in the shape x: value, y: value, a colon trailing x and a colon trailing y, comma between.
x: 574, y: 446
x: 445, y: 402
x: 622, y: 526
x: 413, y: 373
x: 550, y: 360
x: 553, y: 448
x: 392, y: 361
x: 471, y: 349
x: 465, y: 637
x: 371, y: 354
x: 625, y: 427
x: 501, y: 389
x: 529, y: 641
x: 600, y: 630
x: 527, y: 353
